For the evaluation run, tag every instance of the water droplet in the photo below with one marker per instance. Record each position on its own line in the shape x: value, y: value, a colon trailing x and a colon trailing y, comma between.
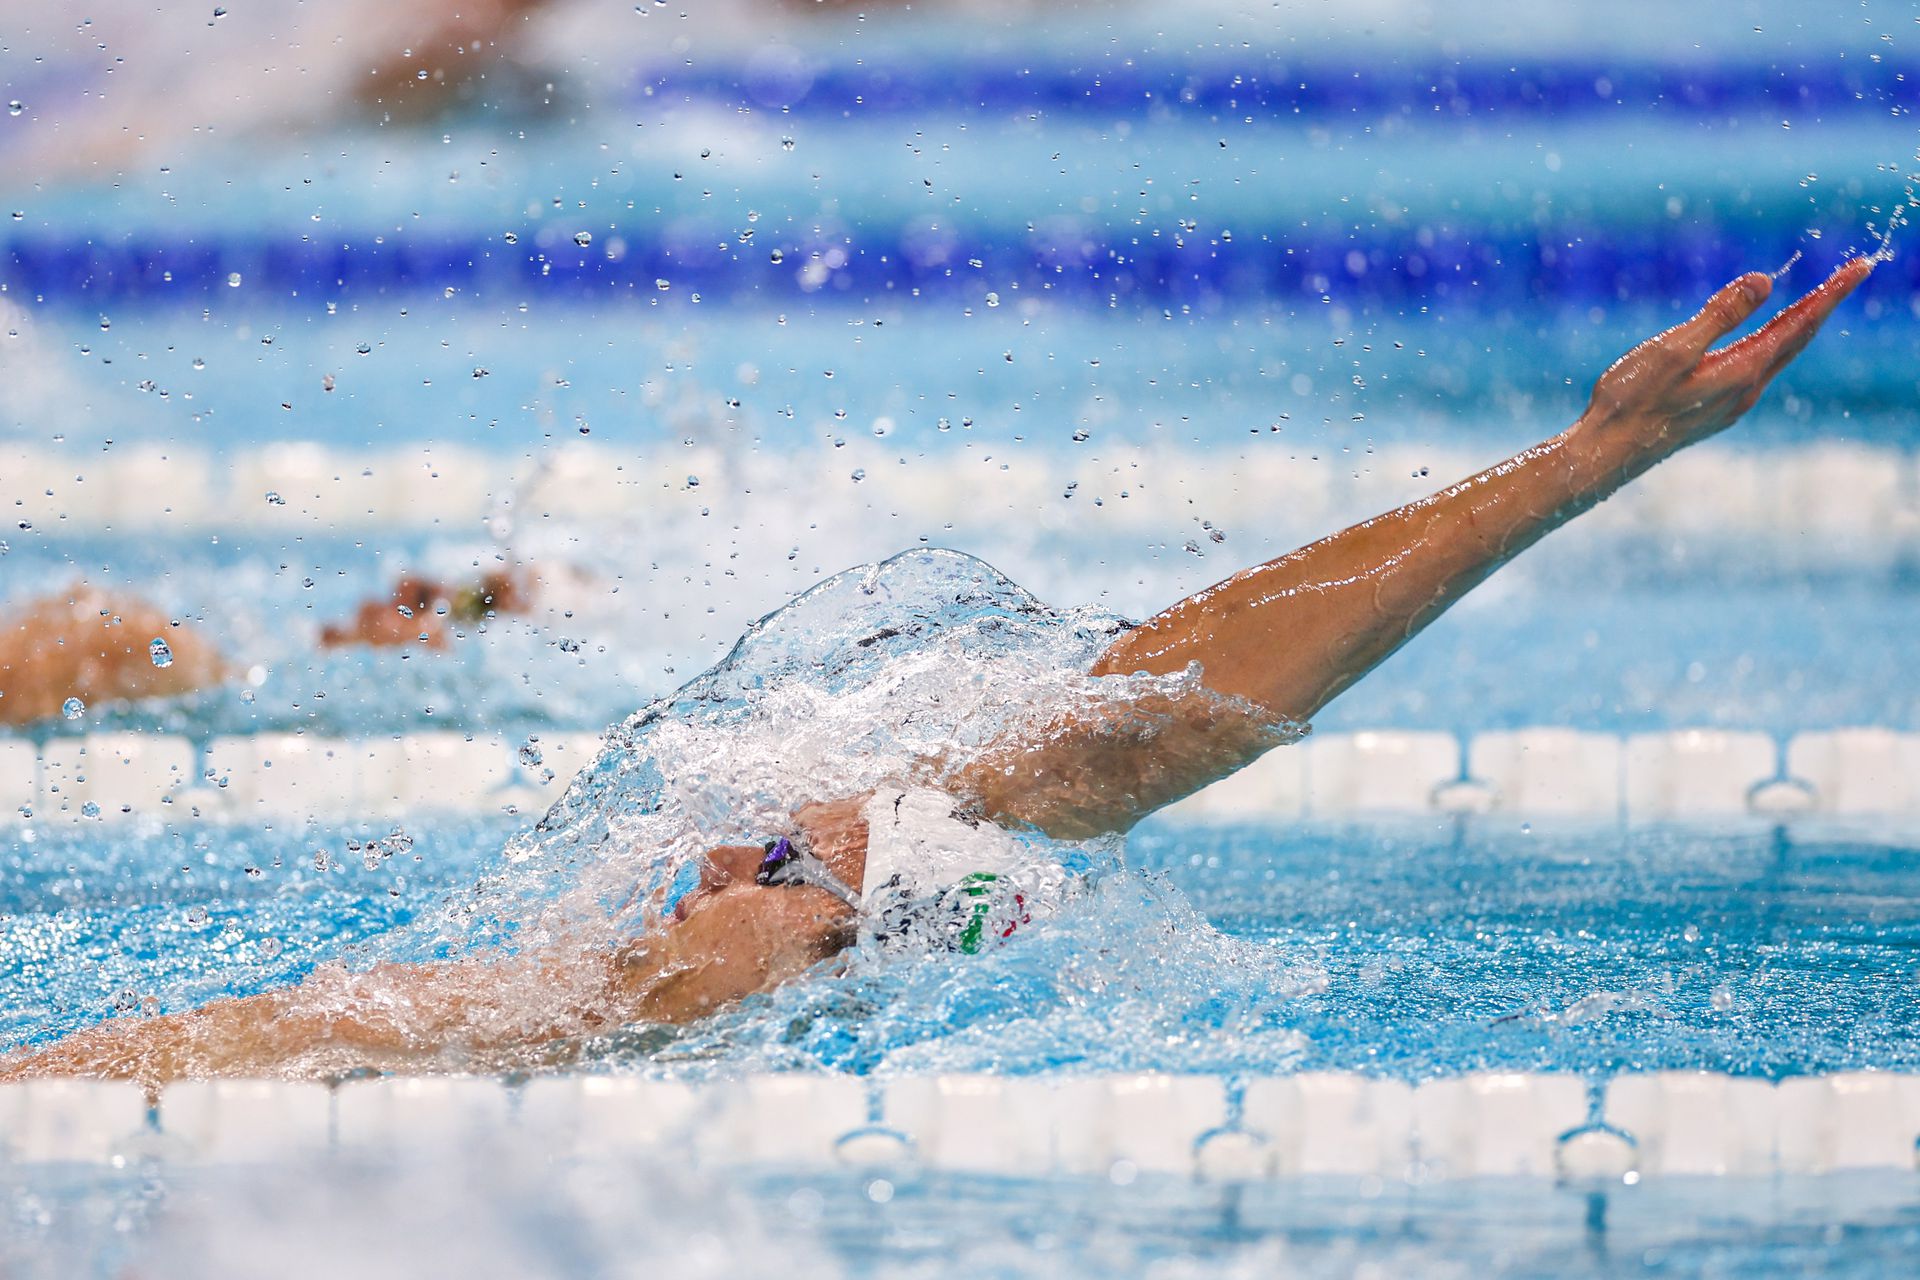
x: 89, y: 810
x: 512, y: 237
x: 198, y: 363
x: 1721, y: 999
x: 365, y: 348
x: 663, y: 285
x: 197, y: 916
x: 1082, y: 435
x: 73, y: 708
x: 530, y: 753
x: 777, y: 257
x: 158, y: 651
x: 859, y: 474
x: 321, y: 862
x: 270, y: 947
x: 274, y: 499
x: 233, y: 279
x: 993, y: 299
x: 583, y: 238
x: 15, y: 107
x: 219, y: 11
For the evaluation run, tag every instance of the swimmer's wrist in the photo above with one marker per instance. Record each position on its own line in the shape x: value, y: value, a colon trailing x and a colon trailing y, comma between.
x: 1620, y: 440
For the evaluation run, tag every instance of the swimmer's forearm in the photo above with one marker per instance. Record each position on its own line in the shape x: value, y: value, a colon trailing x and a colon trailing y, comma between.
x: 1290, y: 634
x: 398, y: 1016
x: 226, y: 1038
x: 1285, y: 636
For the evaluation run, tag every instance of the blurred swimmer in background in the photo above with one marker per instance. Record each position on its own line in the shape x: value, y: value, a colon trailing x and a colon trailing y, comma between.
x: 122, y: 84
x: 104, y: 647
x: 934, y: 853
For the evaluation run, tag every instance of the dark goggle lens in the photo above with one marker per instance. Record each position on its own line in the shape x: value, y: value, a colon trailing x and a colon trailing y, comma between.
x: 779, y: 854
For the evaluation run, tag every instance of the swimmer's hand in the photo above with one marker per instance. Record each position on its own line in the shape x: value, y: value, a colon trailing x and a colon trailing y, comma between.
x: 1671, y: 391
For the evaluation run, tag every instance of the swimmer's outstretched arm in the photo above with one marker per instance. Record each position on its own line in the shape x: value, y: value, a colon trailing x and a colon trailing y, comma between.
x: 449, y: 1016
x: 477, y: 1015
x: 1289, y: 635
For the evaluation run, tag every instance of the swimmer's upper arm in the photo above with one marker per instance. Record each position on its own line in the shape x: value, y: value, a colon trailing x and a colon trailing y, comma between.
x: 1101, y: 767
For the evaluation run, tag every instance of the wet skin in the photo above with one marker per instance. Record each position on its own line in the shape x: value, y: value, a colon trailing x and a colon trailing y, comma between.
x: 1274, y: 643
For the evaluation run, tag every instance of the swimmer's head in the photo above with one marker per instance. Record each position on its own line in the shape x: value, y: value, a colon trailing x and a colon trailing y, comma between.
x: 728, y: 866
x: 732, y: 937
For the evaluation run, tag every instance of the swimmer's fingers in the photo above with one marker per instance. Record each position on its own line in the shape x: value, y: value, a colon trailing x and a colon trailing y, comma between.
x: 1725, y: 311
x: 1769, y: 349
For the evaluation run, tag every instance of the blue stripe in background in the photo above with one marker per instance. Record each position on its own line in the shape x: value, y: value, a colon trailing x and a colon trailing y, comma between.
x: 1465, y: 88
x: 1574, y: 266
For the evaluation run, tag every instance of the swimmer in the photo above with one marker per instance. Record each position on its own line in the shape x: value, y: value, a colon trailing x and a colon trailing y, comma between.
x: 1273, y: 644
x: 98, y: 647
x: 421, y: 611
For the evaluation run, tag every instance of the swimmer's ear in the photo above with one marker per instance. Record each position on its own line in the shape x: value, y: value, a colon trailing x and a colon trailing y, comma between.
x: 1725, y: 311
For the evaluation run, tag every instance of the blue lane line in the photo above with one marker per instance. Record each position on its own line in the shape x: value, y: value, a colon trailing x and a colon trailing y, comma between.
x: 1278, y: 89
x: 1575, y: 265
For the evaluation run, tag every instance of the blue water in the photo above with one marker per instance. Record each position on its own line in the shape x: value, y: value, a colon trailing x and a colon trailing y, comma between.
x: 1177, y: 234
x: 1628, y: 636
x: 1568, y: 948
x: 1025, y: 373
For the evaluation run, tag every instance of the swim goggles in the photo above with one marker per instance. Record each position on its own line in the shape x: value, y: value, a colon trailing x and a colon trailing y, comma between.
x: 788, y: 861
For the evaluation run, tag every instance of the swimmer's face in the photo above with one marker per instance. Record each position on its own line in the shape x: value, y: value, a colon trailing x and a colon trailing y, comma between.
x: 731, y: 937
x: 731, y: 866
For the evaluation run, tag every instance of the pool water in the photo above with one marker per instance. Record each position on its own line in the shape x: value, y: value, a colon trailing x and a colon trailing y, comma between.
x: 1408, y: 949
x: 798, y: 264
